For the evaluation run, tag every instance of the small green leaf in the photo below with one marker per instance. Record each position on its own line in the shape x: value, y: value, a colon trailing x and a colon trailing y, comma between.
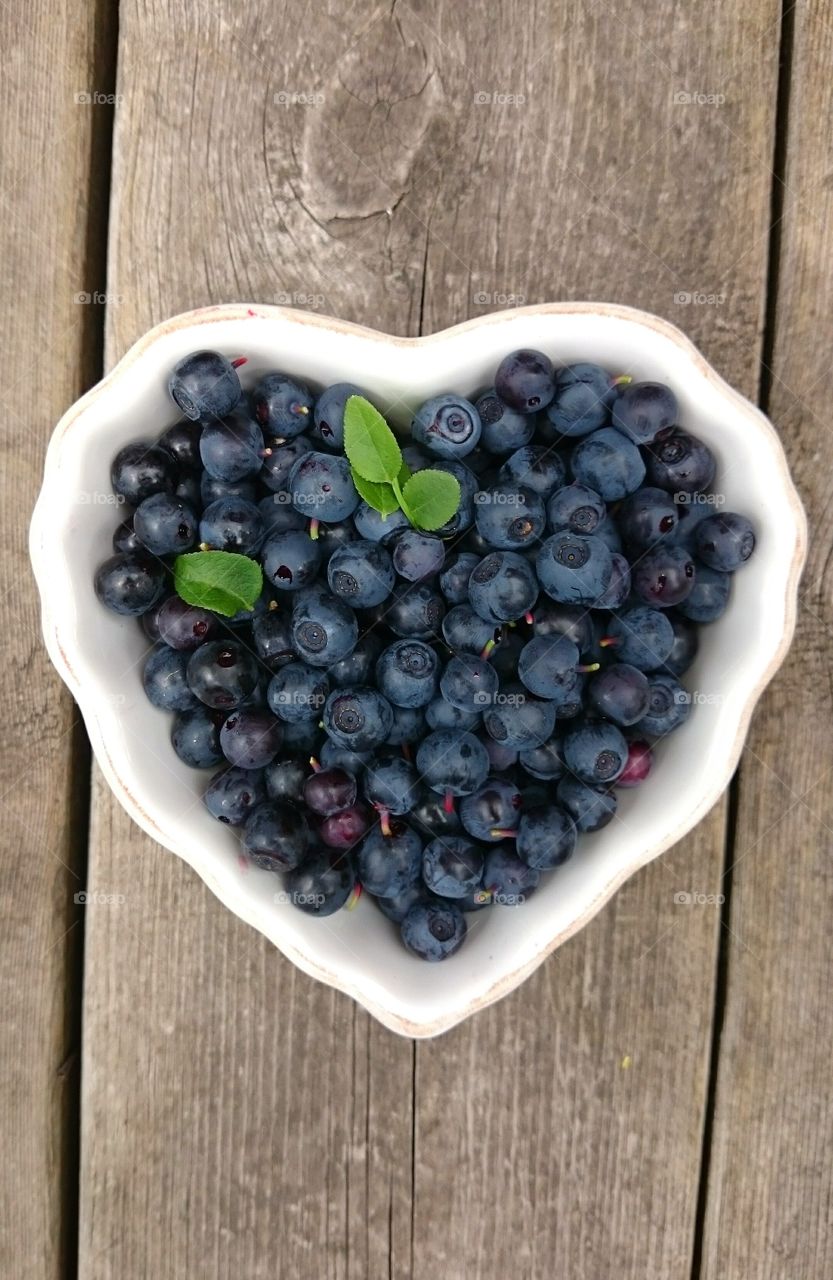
x: 405, y: 474
x: 218, y: 580
x: 432, y: 497
x: 378, y: 496
x: 369, y: 442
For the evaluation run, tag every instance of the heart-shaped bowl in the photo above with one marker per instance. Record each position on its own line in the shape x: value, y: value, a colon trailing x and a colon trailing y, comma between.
x: 99, y: 654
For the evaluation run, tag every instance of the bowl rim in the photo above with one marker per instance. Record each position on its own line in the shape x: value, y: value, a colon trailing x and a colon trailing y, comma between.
x: 60, y: 647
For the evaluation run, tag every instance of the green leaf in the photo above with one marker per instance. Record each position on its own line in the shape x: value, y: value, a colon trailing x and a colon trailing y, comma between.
x: 378, y: 496
x: 432, y: 497
x: 369, y: 442
x: 218, y: 580
x: 405, y: 474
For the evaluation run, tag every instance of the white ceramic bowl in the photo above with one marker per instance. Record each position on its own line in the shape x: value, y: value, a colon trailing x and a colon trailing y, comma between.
x: 99, y: 655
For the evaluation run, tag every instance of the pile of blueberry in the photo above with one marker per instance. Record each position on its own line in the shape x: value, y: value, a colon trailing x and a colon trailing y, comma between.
x: 433, y: 717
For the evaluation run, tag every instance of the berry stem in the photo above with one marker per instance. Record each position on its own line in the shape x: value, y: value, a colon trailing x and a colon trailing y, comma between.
x: 588, y: 666
x: 240, y: 360
x: 313, y: 529
x: 486, y: 651
x: 315, y: 765
x: 503, y: 833
x: 448, y: 802
x: 609, y: 642
x: 406, y: 751
x: 353, y: 901
x: 384, y: 818
x: 529, y: 617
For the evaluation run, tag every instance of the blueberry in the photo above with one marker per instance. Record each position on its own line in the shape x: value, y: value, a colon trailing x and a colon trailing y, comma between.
x: 547, y: 666
x: 643, y: 410
x: 430, y: 817
x: 469, y: 683
x: 503, y: 429
x: 454, y: 579
x: 377, y: 528
x: 447, y: 426
x: 232, y: 448
x: 333, y: 756
x: 640, y: 763
x: 709, y: 596
x: 440, y: 714
x: 452, y: 867
x: 185, y: 626
x: 324, y: 630
x: 646, y: 517
x: 328, y: 428
x: 546, y: 762
x: 142, y: 469
x: 416, y: 611
x: 232, y: 524
x: 130, y: 583
x: 281, y: 406
x: 298, y: 692
x: 574, y: 569
x: 195, y: 736
x: 575, y: 508
x: 204, y: 385
x: 285, y: 777
x: 642, y: 637
x: 609, y: 463
x: 291, y: 560
x: 469, y: 485
x: 525, y: 381
x: 276, y: 836
x: 329, y: 791
x: 346, y: 828
x: 407, y: 673
x: 509, y: 516
x: 535, y: 467
x: 222, y: 674
x: 125, y: 539
x: 570, y: 620
x: 233, y: 794
x: 361, y: 574
x: 583, y: 395
x: 685, y: 645
x: 591, y: 808
x: 546, y: 837
x: 163, y: 679
x: 664, y: 576
x: 518, y: 720
x: 452, y: 763
x: 608, y: 531
x: 391, y: 785
x: 359, y: 718
x: 278, y: 515
x: 212, y: 489
x: 397, y: 907
x: 250, y: 738
x: 417, y: 555
x: 322, y: 487
x: 182, y: 442
x: 465, y: 631
x: 618, y: 588
x: 488, y: 813
x: 503, y: 587
x: 356, y: 666
x: 279, y: 461
x: 669, y: 706
x: 595, y: 753
x: 619, y: 693
x: 680, y: 463
x: 408, y: 726
x: 322, y: 883
x: 724, y: 541
x: 507, y: 878
x: 433, y: 931
x: 388, y: 865
x: 272, y: 639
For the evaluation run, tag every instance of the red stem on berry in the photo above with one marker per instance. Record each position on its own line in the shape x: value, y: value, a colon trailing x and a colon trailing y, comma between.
x: 264, y: 453
x: 353, y: 901
x: 529, y: 617
x: 609, y: 642
x: 448, y: 802
x: 313, y: 529
x: 502, y: 833
x: 384, y: 819
x: 315, y: 765
x: 300, y: 408
x: 241, y: 360
x: 486, y: 651
x: 588, y: 666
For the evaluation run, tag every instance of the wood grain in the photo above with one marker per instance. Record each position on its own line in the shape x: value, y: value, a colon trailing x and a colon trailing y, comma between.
x: 404, y: 167
x: 52, y: 229
x: 770, y: 1184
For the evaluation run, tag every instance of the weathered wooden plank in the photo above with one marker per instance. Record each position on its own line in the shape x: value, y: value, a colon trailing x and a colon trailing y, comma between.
x: 277, y: 1112
x: 769, y: 1184
x: 53, y: 162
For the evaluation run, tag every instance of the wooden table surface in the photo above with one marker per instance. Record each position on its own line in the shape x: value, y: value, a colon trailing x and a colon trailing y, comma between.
x: 179, y: 1101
